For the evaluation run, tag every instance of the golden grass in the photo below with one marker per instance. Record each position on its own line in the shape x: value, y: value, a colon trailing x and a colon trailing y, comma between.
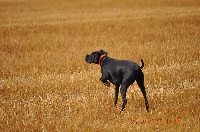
x: 45, y: 84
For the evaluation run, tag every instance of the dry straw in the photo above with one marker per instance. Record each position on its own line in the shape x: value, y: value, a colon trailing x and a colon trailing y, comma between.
x: 45, y: 84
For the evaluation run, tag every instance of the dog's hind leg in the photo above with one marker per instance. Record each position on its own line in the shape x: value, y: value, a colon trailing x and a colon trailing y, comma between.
x: 128, y: 79
x: 140, y: 82
x: 116, y: 94
x: 123, y: 90
x: 145, y: 98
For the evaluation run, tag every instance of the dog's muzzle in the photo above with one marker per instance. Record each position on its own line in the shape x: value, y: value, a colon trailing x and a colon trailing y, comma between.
x: 88, y: 58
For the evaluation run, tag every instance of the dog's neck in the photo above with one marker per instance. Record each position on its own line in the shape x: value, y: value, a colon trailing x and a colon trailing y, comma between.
x: 101, y: 58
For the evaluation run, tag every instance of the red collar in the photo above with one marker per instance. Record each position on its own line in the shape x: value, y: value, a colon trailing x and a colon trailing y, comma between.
x: 100, y: 59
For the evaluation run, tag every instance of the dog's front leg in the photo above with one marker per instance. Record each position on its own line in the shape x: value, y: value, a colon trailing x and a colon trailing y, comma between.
x: 116, y: 94
x: 105, y: 82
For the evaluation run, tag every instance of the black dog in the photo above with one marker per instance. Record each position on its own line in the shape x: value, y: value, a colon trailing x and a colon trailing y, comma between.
x: 119, y: 72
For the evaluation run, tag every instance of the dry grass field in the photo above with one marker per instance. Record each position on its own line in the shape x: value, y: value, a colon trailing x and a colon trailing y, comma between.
x: 46, y: 85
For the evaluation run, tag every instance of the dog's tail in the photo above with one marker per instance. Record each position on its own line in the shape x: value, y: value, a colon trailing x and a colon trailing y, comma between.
x: 142, y: 64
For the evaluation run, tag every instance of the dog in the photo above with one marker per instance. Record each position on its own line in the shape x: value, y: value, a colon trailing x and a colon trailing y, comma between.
x: 119, y: 72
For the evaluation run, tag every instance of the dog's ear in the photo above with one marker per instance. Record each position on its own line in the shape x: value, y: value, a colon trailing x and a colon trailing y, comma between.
x: 103, y: 52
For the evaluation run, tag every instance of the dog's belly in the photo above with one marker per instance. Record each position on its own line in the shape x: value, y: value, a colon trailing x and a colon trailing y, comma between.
x: 116, y: 80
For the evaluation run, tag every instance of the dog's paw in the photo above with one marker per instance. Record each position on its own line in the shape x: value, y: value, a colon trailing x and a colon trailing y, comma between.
x: 107, y: 84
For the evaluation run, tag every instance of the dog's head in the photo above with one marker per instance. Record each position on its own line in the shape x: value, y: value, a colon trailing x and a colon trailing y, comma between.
x: 95, y: 56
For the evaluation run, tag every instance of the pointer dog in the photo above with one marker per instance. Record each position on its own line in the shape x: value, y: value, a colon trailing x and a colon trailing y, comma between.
x: 119, y: 72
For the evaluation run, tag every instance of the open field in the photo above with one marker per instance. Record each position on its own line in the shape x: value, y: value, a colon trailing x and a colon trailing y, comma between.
x: 46, y: 85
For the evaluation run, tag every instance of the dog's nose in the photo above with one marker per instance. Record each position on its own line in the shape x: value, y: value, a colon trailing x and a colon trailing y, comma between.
x: 86, y: 57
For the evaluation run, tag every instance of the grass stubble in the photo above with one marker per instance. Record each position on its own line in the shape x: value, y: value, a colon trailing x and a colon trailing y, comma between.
x: 45, y: 84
